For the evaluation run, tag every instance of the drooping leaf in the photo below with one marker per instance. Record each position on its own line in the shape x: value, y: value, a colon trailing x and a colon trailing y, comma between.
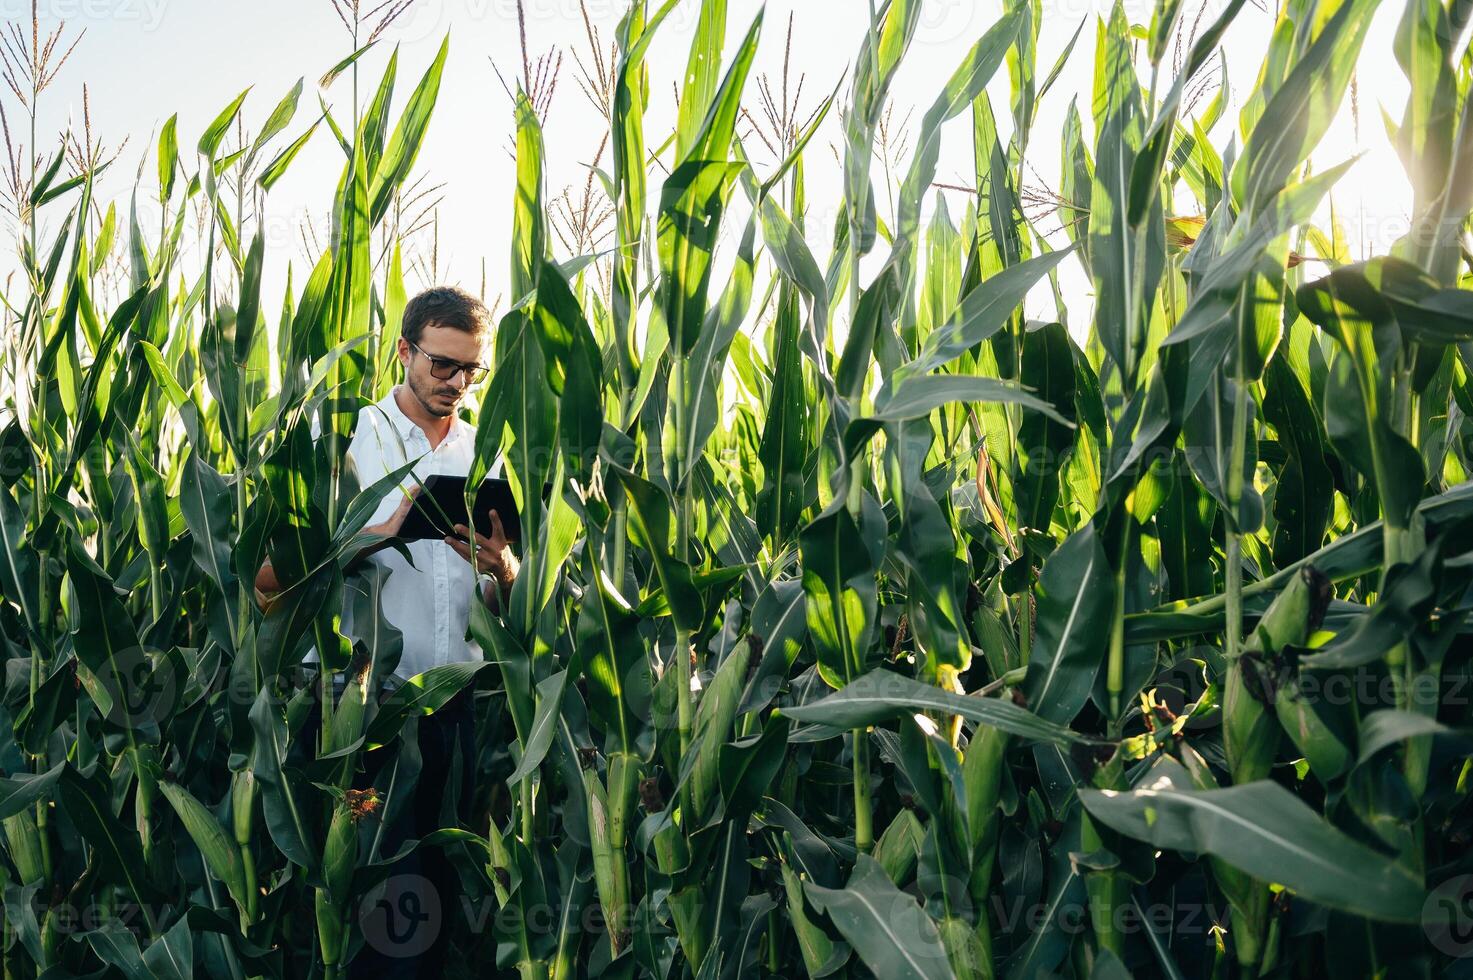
x: 1076, y: 595
x: 881, y: 695
x: 889, y: 931
x: 1267, y: 832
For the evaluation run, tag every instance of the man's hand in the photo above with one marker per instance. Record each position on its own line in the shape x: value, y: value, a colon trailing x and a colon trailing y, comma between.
x: 268, y: 587
x: 390, y: 528
x: 493, y: 552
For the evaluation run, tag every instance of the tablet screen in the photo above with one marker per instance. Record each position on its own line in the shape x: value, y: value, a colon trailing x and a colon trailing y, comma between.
x: 440, y: 505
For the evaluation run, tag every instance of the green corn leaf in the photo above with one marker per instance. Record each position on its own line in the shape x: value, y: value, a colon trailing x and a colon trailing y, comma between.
x: 209, y: 141
x: 374, y: 123
x: 1075, y: 599
x: 18, y: 568
x: 965, y: 85
x: 285, y: 821
x: 116, y: 849
x: 839, y: 580
x: 916, y: 397
x: 277, y: 168
x: 1184, y: 524
x: 784, y: 447
x: 613, y: 661
x: 1208, y: 451
x: 821, y: 955
x: 1146, y: 170
x: 1047, y: 945
x: 1304, y: 491
x: 529, y: 223
x: 796, y: 262
x: 1044, y: 443
x: 204, y: 501
x: 1380, y: 730
x: 574, y: 366
x: 878, y: 304
x: 708, y: 362
x: 118, y: 947
x: 544, y: 726
x: 151, y: 502
x: 882, y: 695
x: 134, y: 695
x: 889, y: 931
x: 749, y: 765
x: 653, y: 521
x: 221, y: 854
x: 422, y: 694
x: 1218, y: 290
x: 18, y: 793
x: 1408, y: 594
x: 1351, y: 555
x: 279, y: 119
x: 1076, y: 184
x: 713, y: 140
x: 1301, y: 109
x: 403, y: 147
x: 702, y: 74
x: 171, y: 956
x: 168, y: 157
x: 692, y: 202
x: 982, y: 312
x: 331, y: 75
x: 1359, y: 397
x: 711, y: 730
x: 249, y: 308
x: 1126, y: 256
x: 1267, y: 832
x: 45, y: 178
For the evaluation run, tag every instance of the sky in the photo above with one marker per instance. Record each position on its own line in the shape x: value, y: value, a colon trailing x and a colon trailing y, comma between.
x: 144, y: 60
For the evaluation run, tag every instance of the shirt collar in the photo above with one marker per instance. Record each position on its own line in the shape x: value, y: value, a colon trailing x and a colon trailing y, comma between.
x: 406, y: 427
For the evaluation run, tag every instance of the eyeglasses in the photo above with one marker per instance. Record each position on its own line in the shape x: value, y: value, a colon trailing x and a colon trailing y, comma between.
x: 443, y: 368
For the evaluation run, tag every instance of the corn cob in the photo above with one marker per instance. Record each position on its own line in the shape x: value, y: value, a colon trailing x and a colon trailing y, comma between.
x: 898, y: 848
x: 339, y: 857
x: 714, y: 717
x: 610, y: 872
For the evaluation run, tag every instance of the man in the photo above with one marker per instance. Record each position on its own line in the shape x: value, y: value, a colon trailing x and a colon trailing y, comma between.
x: 441, y: 347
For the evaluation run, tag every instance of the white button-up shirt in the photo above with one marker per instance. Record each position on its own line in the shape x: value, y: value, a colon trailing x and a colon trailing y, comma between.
x: 429, y: 601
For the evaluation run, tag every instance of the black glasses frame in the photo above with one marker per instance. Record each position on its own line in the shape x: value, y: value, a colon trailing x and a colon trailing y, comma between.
x: 444, y: 368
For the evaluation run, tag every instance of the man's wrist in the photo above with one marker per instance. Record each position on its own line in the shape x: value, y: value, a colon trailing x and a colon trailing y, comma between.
x: 489, y: 590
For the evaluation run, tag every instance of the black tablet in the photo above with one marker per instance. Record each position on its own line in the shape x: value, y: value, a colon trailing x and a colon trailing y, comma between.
x: 440, y: 505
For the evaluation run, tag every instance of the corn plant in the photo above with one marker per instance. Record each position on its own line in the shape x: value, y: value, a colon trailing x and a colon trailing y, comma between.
x: 865, y: 626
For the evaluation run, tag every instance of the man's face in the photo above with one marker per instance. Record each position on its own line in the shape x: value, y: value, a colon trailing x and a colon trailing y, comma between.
x: 439, y: 398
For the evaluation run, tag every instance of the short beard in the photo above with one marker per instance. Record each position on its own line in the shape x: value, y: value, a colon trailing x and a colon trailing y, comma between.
x: 423, y: 397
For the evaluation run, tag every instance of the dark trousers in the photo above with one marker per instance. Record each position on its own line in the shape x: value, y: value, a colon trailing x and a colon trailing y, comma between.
x: 406, y: 922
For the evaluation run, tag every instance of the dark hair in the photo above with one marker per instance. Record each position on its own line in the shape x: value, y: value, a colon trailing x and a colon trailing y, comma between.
x: 444, y: 306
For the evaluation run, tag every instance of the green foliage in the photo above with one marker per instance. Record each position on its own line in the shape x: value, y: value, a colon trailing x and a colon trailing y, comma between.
x: 1161, y: 608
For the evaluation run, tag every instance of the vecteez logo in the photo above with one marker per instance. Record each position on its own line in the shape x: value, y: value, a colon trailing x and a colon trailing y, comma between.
x: 1447, y: 916
x: 426, y: 20
x: 133, y: 686
x: 149, y: 14
x: 402, y: 916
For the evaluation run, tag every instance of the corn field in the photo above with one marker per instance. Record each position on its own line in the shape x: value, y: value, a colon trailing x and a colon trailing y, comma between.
x: 864, y: 626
